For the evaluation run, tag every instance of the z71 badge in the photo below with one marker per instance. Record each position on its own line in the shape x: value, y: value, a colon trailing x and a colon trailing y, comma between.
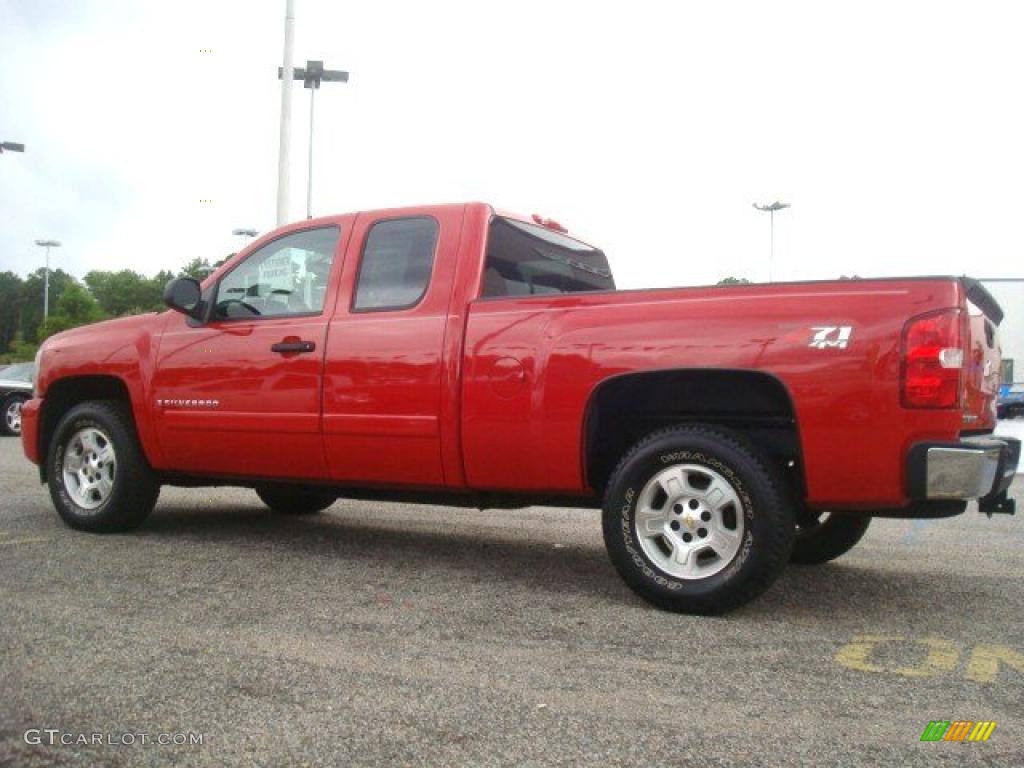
x: 834, y: 336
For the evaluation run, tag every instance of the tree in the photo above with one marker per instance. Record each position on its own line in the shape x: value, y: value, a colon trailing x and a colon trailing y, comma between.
x: 160, y: 281
x: 162, y: 278
x: 32, y: 299
x: 104, y: 294
x: 734, y: 281
x: 126, y: 292
x: 20, y: 351
x: 198, y: 268
x: 75, y: 307
x: 12, y: 294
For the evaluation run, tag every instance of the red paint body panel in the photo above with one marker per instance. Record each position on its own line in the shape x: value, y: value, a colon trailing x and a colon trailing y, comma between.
x: 854, y: 432
x: 30, y: 430
x: 267, y: 417
x: 123, y: 349
x: 462, y: 393
x: 385, y: 371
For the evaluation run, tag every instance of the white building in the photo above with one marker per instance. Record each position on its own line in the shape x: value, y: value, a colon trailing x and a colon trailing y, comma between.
x: 1009, y: 292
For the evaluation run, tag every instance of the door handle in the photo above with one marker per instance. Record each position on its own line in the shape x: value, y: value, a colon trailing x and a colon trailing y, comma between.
x: 285, y: 347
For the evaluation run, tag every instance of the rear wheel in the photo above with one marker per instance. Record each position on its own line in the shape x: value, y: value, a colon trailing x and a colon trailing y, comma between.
x: 824, y: 536
x: 296, y: 502
x: 98, y: 476
x: 694, y: 521
x: 12, y: 414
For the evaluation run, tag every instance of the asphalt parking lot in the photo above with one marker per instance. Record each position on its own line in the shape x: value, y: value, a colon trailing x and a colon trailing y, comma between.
x: 404, y: 635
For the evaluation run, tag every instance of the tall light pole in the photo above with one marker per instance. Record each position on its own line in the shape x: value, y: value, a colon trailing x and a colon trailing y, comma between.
x: 284, y: 145
x: 47, y: 244
x: 11, y: 146
x: 772, y: 208
x: 312, y: 75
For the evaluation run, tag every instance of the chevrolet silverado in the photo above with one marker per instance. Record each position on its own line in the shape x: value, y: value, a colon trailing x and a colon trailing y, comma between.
x: 458, y: 354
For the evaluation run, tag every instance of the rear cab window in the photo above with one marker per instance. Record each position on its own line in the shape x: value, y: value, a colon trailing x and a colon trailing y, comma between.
x: 527, y: 260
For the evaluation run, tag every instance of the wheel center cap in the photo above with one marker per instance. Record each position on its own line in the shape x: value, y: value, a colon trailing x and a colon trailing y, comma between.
x: 690, y: 521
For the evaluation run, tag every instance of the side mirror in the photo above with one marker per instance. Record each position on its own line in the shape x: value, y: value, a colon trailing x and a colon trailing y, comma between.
x: 184, y: 295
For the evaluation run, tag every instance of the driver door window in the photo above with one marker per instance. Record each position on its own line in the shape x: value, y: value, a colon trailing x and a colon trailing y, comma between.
x: 286, y: 277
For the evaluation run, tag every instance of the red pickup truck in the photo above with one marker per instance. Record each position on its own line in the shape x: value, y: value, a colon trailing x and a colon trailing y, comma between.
x: 454, y: 353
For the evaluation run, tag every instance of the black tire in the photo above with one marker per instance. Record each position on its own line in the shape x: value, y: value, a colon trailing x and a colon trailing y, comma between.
x: 134, y: 486
x: 826, y: 536
x: 8, y: 402
x: 766, y: 534
x: 296, y: 502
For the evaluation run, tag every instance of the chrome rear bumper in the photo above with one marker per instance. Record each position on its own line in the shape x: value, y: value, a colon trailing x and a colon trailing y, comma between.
x: 974, y: 468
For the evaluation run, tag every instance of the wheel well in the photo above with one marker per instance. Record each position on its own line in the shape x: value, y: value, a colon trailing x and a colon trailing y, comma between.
x: 63, y: 394
x: 625, y: 408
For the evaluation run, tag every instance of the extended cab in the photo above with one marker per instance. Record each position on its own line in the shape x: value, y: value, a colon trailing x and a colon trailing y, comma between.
x: 455, y: 353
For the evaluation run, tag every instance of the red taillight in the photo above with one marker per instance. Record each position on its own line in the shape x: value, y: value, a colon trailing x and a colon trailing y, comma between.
x: 933, y: 360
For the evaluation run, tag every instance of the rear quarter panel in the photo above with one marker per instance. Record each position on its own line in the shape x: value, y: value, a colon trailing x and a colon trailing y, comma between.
x: 533, y: 364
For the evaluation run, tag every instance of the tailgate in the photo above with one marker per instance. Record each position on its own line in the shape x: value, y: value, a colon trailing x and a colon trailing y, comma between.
x: 983, y: 357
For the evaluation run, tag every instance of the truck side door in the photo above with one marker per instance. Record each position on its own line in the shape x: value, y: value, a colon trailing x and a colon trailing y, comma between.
x: 240, y: 394
x: 385, y: 377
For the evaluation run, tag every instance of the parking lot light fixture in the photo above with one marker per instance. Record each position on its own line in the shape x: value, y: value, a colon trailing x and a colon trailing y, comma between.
x: 246, y: 234
x: 311, y: 76
x: 47, y: 244
x: 771, y: 208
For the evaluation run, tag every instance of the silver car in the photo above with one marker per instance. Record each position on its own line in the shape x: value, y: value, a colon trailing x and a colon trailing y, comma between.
x: 15, y: 389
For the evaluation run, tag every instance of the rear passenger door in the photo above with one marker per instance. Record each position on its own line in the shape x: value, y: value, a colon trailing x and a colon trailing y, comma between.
x: 384, y: 368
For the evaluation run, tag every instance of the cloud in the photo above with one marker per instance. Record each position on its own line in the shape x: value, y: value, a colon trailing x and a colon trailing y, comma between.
x: 648, y: 128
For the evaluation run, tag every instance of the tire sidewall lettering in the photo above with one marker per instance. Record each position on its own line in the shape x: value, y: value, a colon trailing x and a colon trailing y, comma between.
x: 627, y: 513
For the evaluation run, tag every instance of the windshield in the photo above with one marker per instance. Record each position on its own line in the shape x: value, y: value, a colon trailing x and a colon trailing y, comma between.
x: 20, y: 372
x: 525, y: 260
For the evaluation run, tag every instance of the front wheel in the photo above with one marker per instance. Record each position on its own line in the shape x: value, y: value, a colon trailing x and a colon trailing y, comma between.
x: 98, y: 475
x: 695, y: 522
x: 296, y: 502
x: 824, y: 536
x: 12, y: 414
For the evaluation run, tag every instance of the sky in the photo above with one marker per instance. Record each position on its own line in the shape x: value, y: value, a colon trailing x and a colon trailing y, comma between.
x: 895, y: 129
